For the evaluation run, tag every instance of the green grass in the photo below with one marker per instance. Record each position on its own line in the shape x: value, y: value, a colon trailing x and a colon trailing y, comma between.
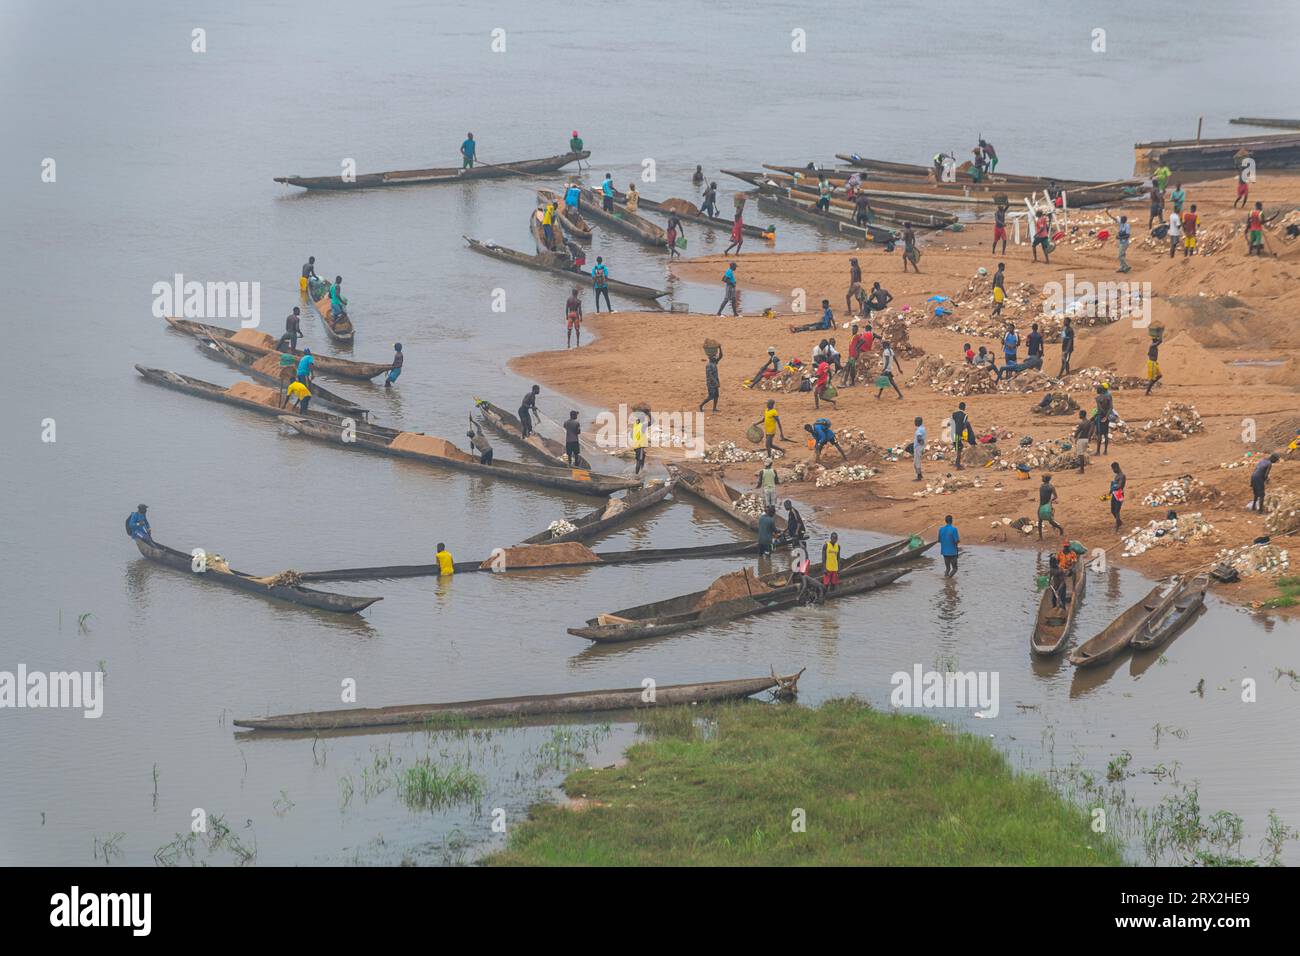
x: 719, y: 786
x: 1289, y: 596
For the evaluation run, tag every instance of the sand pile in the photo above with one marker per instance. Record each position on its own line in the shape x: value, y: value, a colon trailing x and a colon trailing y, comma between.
x: 269, y: 364
x: 1180, y: 491
x: 261, y: 394
x: 545, y: 555
x: 892, y: 328
x: 429, y: 445
x: 254, y: 338
x: 1280, y: 435
x: 729, y: 587
x: 1252, y: 559
x: 1189, y: 527
x: 1176, y: 421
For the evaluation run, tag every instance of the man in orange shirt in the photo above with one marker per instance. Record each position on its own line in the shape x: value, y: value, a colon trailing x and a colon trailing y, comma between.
x: 1190, y: 222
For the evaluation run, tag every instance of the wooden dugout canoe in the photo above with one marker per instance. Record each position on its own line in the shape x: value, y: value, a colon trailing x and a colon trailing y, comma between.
x: 1118, y: 634
x: 306, y: 597
x: 887, y: 210
x: 241, y: 359
x: 539, y: 447
x: 711, y: 490
x: 629, y: 223
x: 436, y: 175
x: 914, y: 171
x: 580, y: 277
x: 325, y: 364
x: 576, y: 227
x: 338, y: 328
x: 197, y: 387
x: 1173, y: 617
x: 713, y: 222
x: 1052, y: 626
x: 535, y: 705
x: 368, y: 438
x: 603, y: 519
x: 831, y: 221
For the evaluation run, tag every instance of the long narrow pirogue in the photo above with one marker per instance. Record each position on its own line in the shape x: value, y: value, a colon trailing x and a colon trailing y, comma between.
x: 575, y: 227
x: 1173, y: 616
x: 536, y: 558
x: 830, y: 221
x: 438, y: 451
x: 436, y: 174
x: 253, y: 365
x: 624, y: 221
x: 338, y: 327
x: 716, y: 493
x: 263, y: 344
x: 579, y: 277
x: 537, y: 705
x: 1118, y: 634
x: 615, y: 512
x: 535, y: 446
x: 254, y: 398
x: 275, y: 586
x: 859, y: 573
x: 888, y: 211
x: 1052, y: 625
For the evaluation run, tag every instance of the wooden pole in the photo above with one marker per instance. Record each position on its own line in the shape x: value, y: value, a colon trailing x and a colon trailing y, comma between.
x: 1199, y: 121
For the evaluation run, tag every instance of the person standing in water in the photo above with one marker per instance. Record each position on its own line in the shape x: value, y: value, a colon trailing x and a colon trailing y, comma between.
x: 948, y: 541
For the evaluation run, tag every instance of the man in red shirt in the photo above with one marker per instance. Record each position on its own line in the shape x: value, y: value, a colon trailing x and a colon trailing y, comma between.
x: 1190, y: 222
x: 1041, y: 226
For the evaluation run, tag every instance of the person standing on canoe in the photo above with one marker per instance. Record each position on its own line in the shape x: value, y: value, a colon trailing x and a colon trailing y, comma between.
x: 1000, y: 229
x: 575, y: 143
x: 479, y: 442
x: 600, y: 283
x: 1117, y: 483
x: 446, y: 566
x: 737, y: 236
x: 528, y: 411
x: 831, y: 561
x: 396, y: 369
x: 306, y: 367
x: 467, y: 151
x: 573, y: 197
x: 137, y: 525
x: 1047, y: 496
x: 292, y: 330
x: 1258, y: 482
x: 796, y: 531
x: 768, y: 479
x: 710, y: 205
x: 711, y: 381
x: 729, y: 290
x: 862, y: 213
x: 990, y: 154
x: 308, y: 273
x: 338, y: 302
x: 766, y: 530
x: 548, y: 226
x: 949, y: 538
x: 607, y: 193
x: 1161, y: 176
x: 572, y: 448
x: 771, y: 423
x: 675, y: 228
x: 299, y: 393
x: 573, y: 317
x: 910, y: 252
x: 633, y: 198
x: 1067, y: 347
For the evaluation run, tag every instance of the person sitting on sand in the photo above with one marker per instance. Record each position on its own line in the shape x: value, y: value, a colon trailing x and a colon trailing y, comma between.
x: 773, y: 364
x: 827, y: 321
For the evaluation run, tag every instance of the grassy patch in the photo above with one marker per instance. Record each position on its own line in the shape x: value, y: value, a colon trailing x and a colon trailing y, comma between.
x: 1288, y: 596
x: 725, y: 786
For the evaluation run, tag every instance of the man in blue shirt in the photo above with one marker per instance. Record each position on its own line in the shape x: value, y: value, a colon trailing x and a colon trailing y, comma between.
x: 948, y: 541
x: 1125, y: 236
x: 1010, y: 343
x: 729, y: 296
x: 467, y: 149
x: 607, y: 193
x: 573, y: 197
x: 827, y: 321
x: 823, y: 434
x: 306, y: 365
x: 137, y: 525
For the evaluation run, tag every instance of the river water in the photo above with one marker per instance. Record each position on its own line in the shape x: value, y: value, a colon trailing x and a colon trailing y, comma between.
x: 164, y: 160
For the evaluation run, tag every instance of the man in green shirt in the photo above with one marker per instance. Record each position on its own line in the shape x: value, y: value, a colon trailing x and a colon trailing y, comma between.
x: 575, y: 143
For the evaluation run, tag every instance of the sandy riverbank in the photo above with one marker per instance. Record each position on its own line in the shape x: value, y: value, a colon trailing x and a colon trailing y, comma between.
x: 1230, y: 351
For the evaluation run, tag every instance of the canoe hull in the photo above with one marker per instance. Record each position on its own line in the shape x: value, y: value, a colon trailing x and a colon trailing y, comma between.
x: 535, y: 446
x: 326, y: 364
x: 435, y: 175
x: 594, y: 523
x: 1117, y: 635
x: 1048, y: 639
x: 1159, y: 628
x: 629, y: 289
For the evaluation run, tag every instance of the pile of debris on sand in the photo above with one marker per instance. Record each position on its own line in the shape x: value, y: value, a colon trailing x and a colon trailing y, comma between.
x: 1282, y: 508
x: 973, y: 308
x: 1023, y: 525
x: 1249, y: 460
x: 948, y: 484
x: 1252, y: 559
x: 1084, y: 231
x: 1055, y: 403
x: 1175, y: 422
x: 844, y: 474
x: 749, y: 504
x: 1180, y: 491
x: 1210, y: 238
x: 1056, y: 454
x: 728, y: 451
x: 953, y: 378
x: 891, y: 327
x: 1166, y: 531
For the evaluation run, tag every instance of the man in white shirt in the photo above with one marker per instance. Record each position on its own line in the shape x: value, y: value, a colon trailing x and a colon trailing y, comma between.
x: 918, y: 447
x: 1175, y: 233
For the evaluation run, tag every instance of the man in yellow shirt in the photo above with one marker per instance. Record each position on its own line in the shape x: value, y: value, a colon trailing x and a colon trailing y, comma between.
x: 298, y: 392
x: 446, y: 567
x: 771, y: 426
x: 548, y: 225
x: 831, y: 561
x: 639, y: 441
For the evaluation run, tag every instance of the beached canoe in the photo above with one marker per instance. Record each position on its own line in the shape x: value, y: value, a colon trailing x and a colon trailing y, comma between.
x: 830, y: 221
x: 1275, y: 151
x: 579, y: 277
x: 263, y: 344
x: 255, y: 398
x: 1118, y: 634
x: 629, y: 223
x: 437, y: 451
x: 1173, y: 617
x: 699, y: 219
x: 247, y: 361
x: 715, y: 492
x: 777, y: 591
x: 575, y: 227
x: 338, y: 327
x: 436, y: 175
x: 616, y: 512
x: 1053, y: 624
x: 887, y: 211
x: 557, y: 252
x: 537, y: 705
x: 884, y: 169
x: 539, y: 447
x: 266, y: 587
